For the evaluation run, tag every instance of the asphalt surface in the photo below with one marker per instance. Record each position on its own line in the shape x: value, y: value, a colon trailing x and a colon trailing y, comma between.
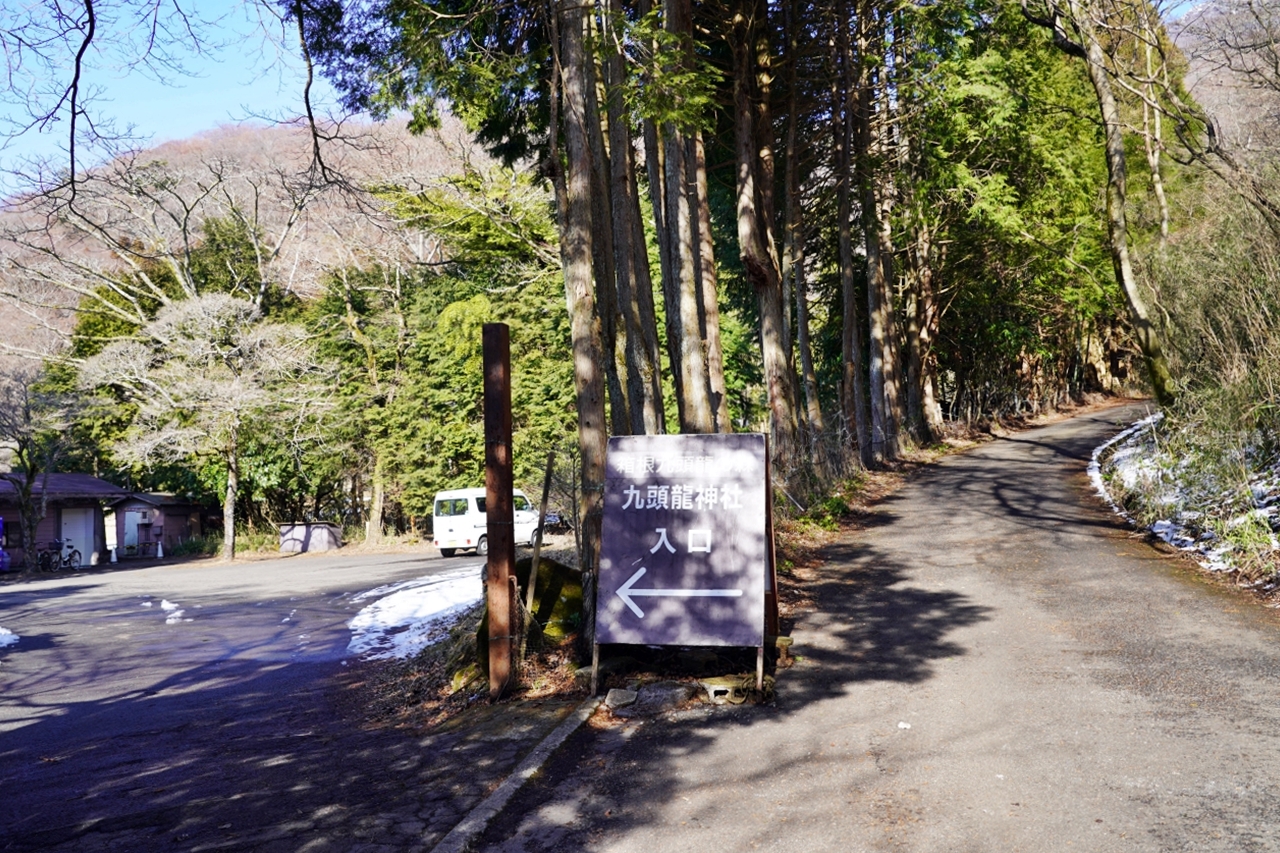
x: 996, y: 664
x: 125, y: 726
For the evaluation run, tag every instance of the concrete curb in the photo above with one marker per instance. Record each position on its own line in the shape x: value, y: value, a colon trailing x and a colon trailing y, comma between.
x: 474, y: 823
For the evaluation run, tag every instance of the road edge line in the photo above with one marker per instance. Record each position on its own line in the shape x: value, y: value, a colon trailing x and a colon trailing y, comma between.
x: 478, y: 818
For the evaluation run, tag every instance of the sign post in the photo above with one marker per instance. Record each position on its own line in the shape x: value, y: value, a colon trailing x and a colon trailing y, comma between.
x: 500, y: 565
x: 687, y: 556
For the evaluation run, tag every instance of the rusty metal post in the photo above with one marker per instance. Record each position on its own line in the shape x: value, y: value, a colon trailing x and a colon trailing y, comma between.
x: 771, y: 620
x: 498, y: 511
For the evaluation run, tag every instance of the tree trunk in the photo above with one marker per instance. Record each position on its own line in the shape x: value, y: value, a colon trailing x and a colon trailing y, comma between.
x: 603, y: 256
x: 793, y: 268
x: 1152, y: 138
x: 923, y: 412
x: 1090, y: 50
x: 709, y: 291
x: 753, y: 244
x: 694, y: 404
x: 574, y: 200
x: 229, y: 504
x: 884, y: 431
x: 853, y: 385
x: 29, y: 514
x: 377, y: 502
x: 631, y: 259
x: 1143, y: 329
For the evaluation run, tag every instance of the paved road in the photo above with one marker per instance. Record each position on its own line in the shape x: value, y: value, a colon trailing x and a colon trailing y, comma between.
x: 995, y: 665
x: 127, y: 726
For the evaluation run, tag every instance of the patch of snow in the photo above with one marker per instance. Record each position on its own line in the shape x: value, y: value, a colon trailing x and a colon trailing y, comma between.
x: 175, y: 612
x: 1095, y: 461
x: 407, y: 617
x: 7, y: 637
x: 1134, y: 465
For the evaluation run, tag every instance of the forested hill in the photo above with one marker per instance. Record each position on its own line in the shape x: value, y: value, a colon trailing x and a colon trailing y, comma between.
x: 158, y: 200
x: 847, y: 224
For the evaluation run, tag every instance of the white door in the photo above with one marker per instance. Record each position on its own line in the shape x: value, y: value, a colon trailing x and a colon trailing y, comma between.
x: 77, y: 529
x: 131, y: 519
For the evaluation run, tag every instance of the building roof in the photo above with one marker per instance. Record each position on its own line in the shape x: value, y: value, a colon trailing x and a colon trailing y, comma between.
x: 156, y: 499
x: 66, y: 487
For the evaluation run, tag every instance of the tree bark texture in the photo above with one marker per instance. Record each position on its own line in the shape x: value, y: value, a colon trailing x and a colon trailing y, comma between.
x: 884, y: 430
x: 853, y: 384
x: 603, y: 257
x: 229, y: 501
x: 708, y: 291
x: 793, y: 244
x: 758, y: 261
x: 631, y: 259
x: 575, y: 241
x: 695, y: 404
x: 681, y: 187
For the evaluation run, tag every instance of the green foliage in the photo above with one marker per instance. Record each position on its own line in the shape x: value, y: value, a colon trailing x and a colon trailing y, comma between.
x: 224, y: 260
x: 668, y: 81
x: 828, y: 512
x: 409, y: 344
x: 490, y: 63
x: 197, y: 546
x: 488, y: 219
x: 1009, y: 183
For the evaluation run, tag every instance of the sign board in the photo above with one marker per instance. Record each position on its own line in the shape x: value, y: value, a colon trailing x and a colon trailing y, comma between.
x: 684, y: 548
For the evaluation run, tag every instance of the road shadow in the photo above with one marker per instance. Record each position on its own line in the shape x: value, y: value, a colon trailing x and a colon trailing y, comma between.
x: 873, y: 623
x: 243, y: 756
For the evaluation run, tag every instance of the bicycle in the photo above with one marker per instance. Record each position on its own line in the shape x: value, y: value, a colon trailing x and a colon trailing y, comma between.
x: 51, y: 558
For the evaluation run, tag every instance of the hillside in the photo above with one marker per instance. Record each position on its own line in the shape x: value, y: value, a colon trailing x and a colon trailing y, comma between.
x: 153, y: 204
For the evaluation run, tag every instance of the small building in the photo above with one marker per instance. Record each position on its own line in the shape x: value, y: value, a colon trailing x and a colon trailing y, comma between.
x: 74, y: 513
x: 142, y: 522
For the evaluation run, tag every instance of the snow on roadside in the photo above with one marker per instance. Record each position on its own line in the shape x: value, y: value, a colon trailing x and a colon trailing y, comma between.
x: 405, y: 618
x: 7, y: 637
x: 1134, y: 463
x: 1095, y: 462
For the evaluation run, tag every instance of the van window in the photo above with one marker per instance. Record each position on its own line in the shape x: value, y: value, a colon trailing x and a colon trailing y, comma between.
x: 451, y: 506
x: 480, y: 505
x: 520, y: 503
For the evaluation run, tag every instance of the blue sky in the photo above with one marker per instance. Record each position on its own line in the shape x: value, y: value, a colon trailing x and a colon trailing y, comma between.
x: 243, y: 75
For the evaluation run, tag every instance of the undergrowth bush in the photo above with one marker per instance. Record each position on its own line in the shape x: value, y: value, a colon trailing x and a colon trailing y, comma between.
x: 197, y: 545
x: 1213, y: 462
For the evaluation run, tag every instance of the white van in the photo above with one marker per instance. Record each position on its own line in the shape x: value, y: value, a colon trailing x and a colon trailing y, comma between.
x: 460, y: 523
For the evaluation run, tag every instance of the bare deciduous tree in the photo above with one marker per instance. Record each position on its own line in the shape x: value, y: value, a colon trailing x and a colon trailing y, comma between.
x: 53, y: 51
x: 34, y: 437
x: 206, y: 375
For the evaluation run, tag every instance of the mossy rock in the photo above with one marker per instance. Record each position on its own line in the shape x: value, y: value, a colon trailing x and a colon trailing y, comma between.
x: 557, y: 598
x: 557, y: 606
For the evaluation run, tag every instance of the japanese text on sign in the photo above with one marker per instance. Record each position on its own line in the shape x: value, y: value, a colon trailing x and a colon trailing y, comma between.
x: 684, y: 551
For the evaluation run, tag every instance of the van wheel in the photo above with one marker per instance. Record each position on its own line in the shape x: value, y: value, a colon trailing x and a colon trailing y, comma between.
x: 482, y: 547
x: 448, y: 552
x: 534, y: 536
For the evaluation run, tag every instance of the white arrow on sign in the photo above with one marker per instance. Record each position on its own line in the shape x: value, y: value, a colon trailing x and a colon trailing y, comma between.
x: 626, y: 593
